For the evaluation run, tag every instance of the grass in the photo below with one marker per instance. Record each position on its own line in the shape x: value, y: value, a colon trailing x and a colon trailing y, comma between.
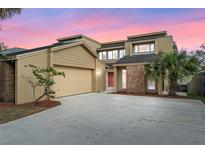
x: 16, y: 112
x: 195, y: 96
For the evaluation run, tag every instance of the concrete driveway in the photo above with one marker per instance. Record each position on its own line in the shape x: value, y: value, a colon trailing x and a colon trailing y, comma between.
x: 111, y: 119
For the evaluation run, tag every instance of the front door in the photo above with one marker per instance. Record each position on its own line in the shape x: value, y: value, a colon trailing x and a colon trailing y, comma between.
x: 110, y: 79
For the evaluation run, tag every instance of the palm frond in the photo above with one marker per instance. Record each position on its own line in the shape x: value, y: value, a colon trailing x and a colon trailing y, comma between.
x: 9, y: 12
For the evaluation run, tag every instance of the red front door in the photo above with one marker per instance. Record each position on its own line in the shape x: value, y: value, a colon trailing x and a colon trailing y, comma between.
x: 110, y: 79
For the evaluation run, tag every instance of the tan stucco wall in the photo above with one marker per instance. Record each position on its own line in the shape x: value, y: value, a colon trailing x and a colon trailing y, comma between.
x: 164, y: 44
x: 76, y: 56
x: 92, y: 44
x: 24, y: 91
x: 100, y: 76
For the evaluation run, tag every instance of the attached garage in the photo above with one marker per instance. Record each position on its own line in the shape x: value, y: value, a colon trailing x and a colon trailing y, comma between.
x: 76, y: 81
x: 78, y: 64
x: 84, y: 73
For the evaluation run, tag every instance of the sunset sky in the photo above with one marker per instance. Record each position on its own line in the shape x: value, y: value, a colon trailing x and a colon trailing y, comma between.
x: 39, y: 27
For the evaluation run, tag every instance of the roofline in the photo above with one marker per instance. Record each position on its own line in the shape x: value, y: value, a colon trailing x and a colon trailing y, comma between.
x: 75, y: 36
x: 30, y: 50
x: 147, y: 34
x: 72, y: 45
x: 113, y: 42
x: 70, y: 37
x: 109, y: 48
x: 127, y: 64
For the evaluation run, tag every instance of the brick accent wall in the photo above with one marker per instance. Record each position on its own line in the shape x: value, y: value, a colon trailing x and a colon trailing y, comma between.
x: 136, y: 79
x: 7, y: 82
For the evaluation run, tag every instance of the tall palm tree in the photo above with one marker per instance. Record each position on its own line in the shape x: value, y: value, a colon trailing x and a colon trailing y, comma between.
x: 173, y: 67
x: 9, y: 12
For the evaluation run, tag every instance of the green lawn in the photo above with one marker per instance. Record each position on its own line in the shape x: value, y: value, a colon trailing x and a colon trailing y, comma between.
x: 16, y: 112
x: 193, y: 96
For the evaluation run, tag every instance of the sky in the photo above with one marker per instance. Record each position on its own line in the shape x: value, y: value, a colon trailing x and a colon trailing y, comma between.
x: 39, y: 27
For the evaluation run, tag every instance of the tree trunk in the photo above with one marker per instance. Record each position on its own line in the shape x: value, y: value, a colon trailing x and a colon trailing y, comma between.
x: 44, y: 94
x: 172, y: 89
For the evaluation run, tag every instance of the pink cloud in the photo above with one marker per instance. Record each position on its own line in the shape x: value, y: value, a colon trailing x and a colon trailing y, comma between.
x: 102, y: 27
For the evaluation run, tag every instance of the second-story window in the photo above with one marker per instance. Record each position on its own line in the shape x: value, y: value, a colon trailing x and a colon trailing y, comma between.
x: 104, y: 55
x: 121, y: 53
x: 115, y: 54
x: 111, y: 54
x: 100, y: 55
x: 143, y: 48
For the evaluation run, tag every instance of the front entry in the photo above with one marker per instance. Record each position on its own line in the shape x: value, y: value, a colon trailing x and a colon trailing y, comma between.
x: 110, y: 79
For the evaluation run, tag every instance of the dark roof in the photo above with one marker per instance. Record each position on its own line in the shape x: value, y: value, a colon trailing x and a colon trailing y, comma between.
x: 12, y: 51
x: 27, y: 51
x: 112, y: 45
x: 147, y: 36
x: 75, y: 37
x: 35, y: 49
x: 137, y: 59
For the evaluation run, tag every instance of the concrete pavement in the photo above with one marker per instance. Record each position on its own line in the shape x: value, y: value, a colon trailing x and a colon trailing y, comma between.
x: 98, y: 118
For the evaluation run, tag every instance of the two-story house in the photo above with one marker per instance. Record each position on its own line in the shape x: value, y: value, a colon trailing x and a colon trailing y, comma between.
x: 126, y: 59
x: 89, y: 66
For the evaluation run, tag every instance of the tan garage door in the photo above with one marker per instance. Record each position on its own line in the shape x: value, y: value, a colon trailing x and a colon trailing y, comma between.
x: 76, y: 81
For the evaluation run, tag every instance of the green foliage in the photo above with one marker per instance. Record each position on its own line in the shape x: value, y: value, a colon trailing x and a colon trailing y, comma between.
x: 200, y: 54
x: 9, y: 12
x: 174, y: 67
x: 44, y: 77
x: 196, y: 96
x: 2, y: 56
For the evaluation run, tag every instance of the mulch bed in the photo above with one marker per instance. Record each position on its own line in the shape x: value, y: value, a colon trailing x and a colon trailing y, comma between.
x: 47, y: 103
x: 44, y: 104
x: 151, y: 95
x: 10, y: 111
x: 6, y: 105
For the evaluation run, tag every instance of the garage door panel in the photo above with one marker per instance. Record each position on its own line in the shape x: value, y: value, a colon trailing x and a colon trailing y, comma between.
x: 76, y: 81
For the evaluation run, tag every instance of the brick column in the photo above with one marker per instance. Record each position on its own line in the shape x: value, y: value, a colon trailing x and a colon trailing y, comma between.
x: 7, y: 82
x: 136, y: 79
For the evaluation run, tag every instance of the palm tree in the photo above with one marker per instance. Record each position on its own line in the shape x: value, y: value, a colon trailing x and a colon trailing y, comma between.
x: 9, y: 12
x: 173, y: 67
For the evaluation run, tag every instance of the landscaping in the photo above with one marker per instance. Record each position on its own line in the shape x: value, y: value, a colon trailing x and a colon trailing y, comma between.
x: 10, y: 111
x: 198, y: 97
x: 189, y: 96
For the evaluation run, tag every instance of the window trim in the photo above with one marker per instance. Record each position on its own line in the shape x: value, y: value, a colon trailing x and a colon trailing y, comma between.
x: 107, y: 52
x: 138, y: 45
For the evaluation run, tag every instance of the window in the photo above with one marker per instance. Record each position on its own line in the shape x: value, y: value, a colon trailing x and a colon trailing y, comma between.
x: 109, y: 54
x: 124, y: 80
x: 112, y: 54
x: 121, y: 53
x: 136, y: 48
x: 115, y: 54
x: 152, y: 47
x: 140, y: 48
x: 100, y: 55
x: 104, y: 55
x: 151, y: 84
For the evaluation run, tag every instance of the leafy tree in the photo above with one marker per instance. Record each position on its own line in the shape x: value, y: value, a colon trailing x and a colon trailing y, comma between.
x: 172, y: 66
x: 44, y: 78
x: 9, y: 12
x: 200, y: 53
